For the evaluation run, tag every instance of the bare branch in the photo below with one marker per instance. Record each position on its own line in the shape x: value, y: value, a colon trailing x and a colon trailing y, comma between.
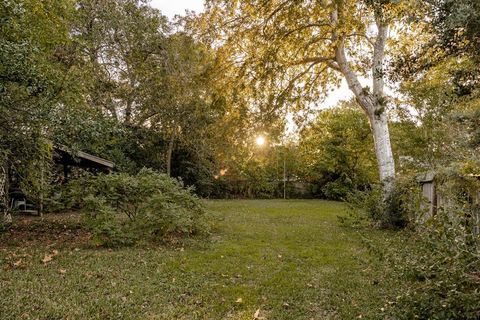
x: 304, y: 27
x: 312, y: 60
x: 334, y: 65
x: 361, y: 35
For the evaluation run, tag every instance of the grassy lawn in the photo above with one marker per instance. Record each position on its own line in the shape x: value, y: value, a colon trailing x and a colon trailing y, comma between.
x: 288, y: 259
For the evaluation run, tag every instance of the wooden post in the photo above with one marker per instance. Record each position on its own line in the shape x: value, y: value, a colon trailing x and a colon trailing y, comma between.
x: 434, y: 198
x: 40, y: 205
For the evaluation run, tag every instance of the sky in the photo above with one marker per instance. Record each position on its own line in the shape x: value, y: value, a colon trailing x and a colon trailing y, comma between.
x: 172, y: 7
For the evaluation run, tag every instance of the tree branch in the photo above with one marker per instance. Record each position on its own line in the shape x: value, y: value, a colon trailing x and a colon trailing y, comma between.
x: 362, y: 96
x: 361, y: 35
x: 379, y: 54
x: 298, y: 76
x: 303, y: 27
x: 312, y: 60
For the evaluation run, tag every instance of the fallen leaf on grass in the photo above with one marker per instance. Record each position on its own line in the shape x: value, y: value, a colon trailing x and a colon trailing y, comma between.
x: 239, y: 300
x: 256, y: 315
x: 17, y: 263
x: 49, y: 257
x: 63, y: 271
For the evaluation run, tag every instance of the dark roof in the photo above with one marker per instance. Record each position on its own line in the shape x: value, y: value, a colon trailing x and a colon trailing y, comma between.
x: 81, y: 159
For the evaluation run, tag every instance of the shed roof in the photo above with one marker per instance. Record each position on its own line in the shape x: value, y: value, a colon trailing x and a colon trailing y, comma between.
x: 426, y: 177
x: 81, y: 159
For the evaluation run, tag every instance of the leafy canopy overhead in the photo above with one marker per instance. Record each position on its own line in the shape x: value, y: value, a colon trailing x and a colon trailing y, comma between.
x: 284, y: 52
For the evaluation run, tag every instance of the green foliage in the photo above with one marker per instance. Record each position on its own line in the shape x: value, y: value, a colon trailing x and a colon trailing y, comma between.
x: 104, y: 224
x: 30, y: 32
x: 456, y: 25
x: 438, y: 258
x: 338, y: 189
x: 35, y: 174
x: 108, y: 78
x: 336, y: 152
x: 438, y: 66
x: 440, y: 262
x: 122, y: 208
x: 402, y: 205
x: 437, y: 127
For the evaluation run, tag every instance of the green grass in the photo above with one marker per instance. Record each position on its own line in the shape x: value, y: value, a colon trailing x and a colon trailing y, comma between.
x: 290, y: 259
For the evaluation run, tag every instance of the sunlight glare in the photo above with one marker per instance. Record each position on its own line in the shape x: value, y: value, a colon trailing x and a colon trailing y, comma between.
x: 260, y: 140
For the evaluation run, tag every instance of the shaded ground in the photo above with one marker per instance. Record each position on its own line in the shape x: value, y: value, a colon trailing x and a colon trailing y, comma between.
x: 267, y: 259
x: 64, y: 230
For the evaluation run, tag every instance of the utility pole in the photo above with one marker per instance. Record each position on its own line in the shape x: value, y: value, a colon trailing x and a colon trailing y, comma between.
x: 284, y: 174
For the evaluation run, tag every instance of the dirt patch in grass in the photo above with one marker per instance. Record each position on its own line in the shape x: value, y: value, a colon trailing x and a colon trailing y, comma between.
x: 60, y: 229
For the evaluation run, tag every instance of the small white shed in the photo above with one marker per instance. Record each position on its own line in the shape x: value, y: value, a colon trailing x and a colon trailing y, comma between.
x: 436, y: 199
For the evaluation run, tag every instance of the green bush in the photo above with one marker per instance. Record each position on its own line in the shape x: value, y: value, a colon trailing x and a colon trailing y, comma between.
x: 441, y: 264
x: 106, y: 228
x: 124, y: 209
x: 396, y: 210
x: 337, y: 189
x: 437, y: 260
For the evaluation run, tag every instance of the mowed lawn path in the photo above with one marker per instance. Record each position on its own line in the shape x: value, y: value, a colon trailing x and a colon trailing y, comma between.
x: 269, y: 259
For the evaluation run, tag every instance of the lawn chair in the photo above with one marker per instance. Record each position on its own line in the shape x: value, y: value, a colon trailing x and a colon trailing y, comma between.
x: 20, y: 204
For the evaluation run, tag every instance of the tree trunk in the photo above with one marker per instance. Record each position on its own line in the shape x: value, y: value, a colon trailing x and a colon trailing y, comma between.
x: 4, y: 188
x: 383, y: 150
x: 169, y: 153
x: 373, y: 103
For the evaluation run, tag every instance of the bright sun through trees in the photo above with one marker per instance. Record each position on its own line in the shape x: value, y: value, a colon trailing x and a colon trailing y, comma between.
x: 260, y: 141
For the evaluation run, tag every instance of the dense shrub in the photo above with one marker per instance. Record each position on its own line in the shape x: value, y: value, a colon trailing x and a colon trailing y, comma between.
x: 106, y: 227
x: 123, y: 208
x: 441, y: 264
x: 438, y: 261
x: 337, y: 189
x: 402, y: 205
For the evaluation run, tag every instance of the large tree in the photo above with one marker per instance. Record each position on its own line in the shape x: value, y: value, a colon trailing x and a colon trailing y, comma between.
x: 289, y: 53
x: 137, y: 71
